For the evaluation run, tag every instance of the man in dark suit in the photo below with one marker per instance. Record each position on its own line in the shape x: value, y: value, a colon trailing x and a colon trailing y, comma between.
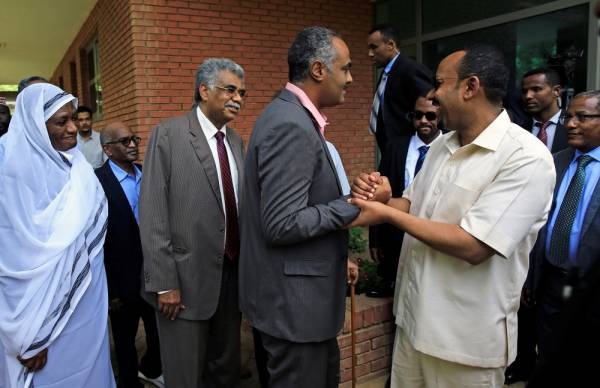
x: 401, y: 82
x: 403, y: 159
x: 189, y: 229
x: 568, y: 248
x: 540, y: 89
x: 293, y: 264
x: 120, y: 178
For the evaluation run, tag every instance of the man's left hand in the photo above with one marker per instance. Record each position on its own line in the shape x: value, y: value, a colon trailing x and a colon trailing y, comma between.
x: 371, y: 213
x: 352, y: 274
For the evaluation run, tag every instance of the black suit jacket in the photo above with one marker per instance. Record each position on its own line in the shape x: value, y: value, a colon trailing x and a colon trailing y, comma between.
x: 393, y: 163
x: 407, y: 81
x: 589, y: 244
x: 560, y: 137
x: 122, y: 248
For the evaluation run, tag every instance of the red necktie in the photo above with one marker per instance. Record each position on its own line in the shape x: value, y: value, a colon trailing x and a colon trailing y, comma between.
x: 232, y: 240
x: 542, y: 134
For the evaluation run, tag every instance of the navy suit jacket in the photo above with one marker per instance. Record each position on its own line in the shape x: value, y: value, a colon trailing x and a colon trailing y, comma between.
x: 122, y: 248
x: 407, y: 81
x: 589, y: 243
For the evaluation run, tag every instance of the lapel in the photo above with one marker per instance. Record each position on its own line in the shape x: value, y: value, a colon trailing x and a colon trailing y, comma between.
x: 592, y: 210
x: 202, y: 150
x: 291, y: 97
x: 560, y: 139
x: 112, y: 185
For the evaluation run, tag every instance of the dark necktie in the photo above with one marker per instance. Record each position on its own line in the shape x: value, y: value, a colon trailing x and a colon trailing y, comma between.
x: 232, y: 240
x: 376, y: 103
x: 561, y: 233
x: 542, y: 134
x: 422, y: 153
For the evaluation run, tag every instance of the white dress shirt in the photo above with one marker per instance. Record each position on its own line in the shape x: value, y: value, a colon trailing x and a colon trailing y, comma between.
x: 550, y: 129
x: 412, y: 156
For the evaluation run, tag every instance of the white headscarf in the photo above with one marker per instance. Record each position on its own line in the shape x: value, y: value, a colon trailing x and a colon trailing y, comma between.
x: 53, y: 217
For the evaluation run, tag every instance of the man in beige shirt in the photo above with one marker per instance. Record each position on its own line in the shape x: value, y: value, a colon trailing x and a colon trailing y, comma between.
x: 471, y: 216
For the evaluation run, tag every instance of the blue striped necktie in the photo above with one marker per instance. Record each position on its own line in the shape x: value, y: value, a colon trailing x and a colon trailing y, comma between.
x: 561, y: 233
x: 422, y: 153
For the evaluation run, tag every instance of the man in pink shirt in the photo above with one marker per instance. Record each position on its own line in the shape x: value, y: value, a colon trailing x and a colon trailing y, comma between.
x: 293, y: 255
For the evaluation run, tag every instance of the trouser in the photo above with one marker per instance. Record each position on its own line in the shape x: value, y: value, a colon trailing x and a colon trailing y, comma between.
x: 413, y: 369
x: 124, y: 323
x: 205, y: 353
x: 294, y: 364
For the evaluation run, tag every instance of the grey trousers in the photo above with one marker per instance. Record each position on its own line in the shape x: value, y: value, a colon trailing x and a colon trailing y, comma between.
x: 204, y: 354
x: 294, y: 364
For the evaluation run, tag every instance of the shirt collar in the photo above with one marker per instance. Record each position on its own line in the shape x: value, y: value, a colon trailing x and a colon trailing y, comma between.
x: 207, y: 126
x: 308, y: 104
x: 553, y: 119
x: 388, y: 67
x: 492, y: 135
x: 121, y: 174
x: 595, y: 153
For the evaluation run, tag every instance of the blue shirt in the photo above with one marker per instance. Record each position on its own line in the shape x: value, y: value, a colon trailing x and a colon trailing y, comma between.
x: 592, y: 173
x: 130, y: 185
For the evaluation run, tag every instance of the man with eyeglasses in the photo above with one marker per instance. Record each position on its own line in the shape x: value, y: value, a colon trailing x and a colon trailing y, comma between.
x: 565, y: 259
x: 120, y: 177
x: 470, y: 218
x: 190, y: 235
x: 403, y: 159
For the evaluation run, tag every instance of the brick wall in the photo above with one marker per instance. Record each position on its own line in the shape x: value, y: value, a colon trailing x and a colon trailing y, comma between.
x: 374, y: 327
x: 149, y: 50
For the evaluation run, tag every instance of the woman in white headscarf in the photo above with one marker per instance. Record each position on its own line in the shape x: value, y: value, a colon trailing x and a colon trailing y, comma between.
x: 53, y: 212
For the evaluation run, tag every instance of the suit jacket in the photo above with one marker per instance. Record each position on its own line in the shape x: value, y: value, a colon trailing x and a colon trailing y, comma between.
x: 589, y: 244
x: 182, y: 221
x: 393, y: 164
x: 293, y: 248
x: 122, y: 247
x: 560, y: 141
x: 407, y: 81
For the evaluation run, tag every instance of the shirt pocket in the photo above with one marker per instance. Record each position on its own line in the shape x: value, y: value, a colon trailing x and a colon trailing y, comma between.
x: 454, y: 203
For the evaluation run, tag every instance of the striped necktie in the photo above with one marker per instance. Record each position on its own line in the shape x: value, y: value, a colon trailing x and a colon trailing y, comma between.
x: 543, y: 134
x: 561, y: 233
x: 232, y: 238
x: 422, y: 153
x: 376, y: 102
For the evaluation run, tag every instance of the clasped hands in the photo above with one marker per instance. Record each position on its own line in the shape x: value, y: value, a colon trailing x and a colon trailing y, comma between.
x: 370, y: 192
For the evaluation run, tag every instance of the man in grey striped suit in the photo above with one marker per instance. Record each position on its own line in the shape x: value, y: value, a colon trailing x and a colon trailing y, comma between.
x: 189, y: 232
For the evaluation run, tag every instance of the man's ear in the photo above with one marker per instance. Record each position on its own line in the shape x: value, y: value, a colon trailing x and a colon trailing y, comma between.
x: 473, y: 87
x: 317, y: 71
x: 106, y: 150
x: 203, y: 91
x: 556, y: 90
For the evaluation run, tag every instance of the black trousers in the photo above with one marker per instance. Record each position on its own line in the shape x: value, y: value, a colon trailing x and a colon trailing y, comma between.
x: 294, y: 364
x: 526, y: 343
x: 124, y: 323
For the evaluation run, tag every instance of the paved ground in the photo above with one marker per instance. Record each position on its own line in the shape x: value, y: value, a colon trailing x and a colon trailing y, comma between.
x: 249, y: 362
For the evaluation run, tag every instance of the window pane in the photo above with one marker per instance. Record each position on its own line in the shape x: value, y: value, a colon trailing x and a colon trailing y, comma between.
x: 441, y: 14
x: 553, y: 39
x: 399, y: 13
x: 91, y: 65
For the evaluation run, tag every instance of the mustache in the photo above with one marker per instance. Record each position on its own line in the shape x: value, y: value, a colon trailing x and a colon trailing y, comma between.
x: 233, y: 105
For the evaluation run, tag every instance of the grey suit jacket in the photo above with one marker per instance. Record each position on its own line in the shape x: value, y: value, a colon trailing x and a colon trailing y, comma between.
x: 589, y: 243
x: 293, y: 250
x: 182, y: 222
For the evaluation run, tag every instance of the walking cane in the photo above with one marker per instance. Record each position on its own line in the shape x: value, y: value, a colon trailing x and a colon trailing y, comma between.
x: 352, y: 333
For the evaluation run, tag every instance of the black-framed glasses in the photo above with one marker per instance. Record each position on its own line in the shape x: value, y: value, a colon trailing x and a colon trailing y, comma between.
x: 418, y: 115
x: 580, y: 117
x: 232, y: 90
x: 125, y: 141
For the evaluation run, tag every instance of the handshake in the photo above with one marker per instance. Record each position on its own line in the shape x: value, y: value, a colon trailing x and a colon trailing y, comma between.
x: 371, y: 193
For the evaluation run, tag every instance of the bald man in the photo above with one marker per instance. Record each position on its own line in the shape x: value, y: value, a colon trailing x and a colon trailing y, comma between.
x: 120, y: 177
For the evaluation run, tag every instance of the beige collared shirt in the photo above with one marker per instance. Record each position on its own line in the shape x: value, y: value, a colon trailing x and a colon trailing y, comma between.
x: 498, y: 189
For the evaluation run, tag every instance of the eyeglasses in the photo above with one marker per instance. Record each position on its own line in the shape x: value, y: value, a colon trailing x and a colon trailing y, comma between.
x: 580, y: 117
x: 232, y: 90
x: 418, y: 115
x: 125, y: 141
